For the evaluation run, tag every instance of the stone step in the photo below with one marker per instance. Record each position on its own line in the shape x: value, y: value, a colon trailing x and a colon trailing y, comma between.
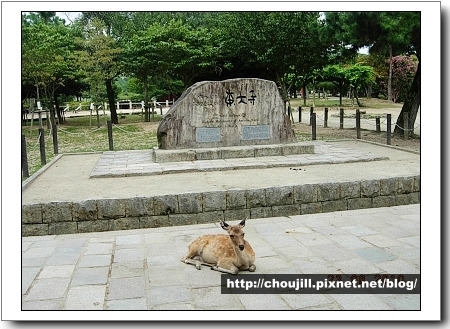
x: 231, y: 152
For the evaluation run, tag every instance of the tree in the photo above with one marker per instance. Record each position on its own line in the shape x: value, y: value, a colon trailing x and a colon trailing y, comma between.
x: 100, y: 62
x: 359, y: 75
x: 381, y: 68
x: 390, y: 33
x: 169, y: 52
x: 115, y: 26
x: 403, y: 71
x: 47, y: 59
x: 354, y: 76
x: 337, y: 75
x: 401, y: 32
x: 283, y: 44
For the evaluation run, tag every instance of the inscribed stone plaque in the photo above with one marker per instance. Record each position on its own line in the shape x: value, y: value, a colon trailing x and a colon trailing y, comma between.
x: 235, y: 112
x: 255, y: 132
x: 205, y: 135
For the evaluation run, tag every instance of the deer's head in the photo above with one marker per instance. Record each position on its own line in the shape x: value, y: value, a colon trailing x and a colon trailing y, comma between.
x: 236, y: 234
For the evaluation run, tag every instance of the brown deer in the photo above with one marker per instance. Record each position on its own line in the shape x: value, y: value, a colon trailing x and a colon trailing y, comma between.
x: 225, y: 253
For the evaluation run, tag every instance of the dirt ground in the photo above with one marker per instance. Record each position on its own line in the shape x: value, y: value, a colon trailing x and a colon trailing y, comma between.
x: 304, y: 130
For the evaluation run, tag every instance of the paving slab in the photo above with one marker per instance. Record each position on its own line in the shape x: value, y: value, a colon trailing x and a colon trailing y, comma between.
x: 141, y: 269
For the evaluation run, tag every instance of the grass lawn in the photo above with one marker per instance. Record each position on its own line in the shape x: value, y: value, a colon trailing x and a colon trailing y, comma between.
x: 80, y: 134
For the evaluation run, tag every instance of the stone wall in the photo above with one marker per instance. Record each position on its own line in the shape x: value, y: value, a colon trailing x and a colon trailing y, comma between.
x: 232, y: 112
x: 234, y: 204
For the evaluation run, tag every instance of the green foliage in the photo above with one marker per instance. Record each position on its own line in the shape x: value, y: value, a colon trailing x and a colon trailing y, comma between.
x: 154, y: 54
x: 171, y: 51
x: 377, y: 30
x: 285, y: 44
x: 99, y: 58
x: 47, y: 56
x: 358, y: 75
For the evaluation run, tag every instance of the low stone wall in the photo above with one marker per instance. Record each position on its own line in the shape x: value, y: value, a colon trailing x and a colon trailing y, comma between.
x: 230, y: 205
x: 231, y: 152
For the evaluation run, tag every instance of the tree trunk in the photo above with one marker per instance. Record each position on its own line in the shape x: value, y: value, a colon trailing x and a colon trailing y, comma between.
x: 389, y: 86
x: 111, y: 99
x: 52, y: 116
x: 283, y: 90
x: 58, y: 110
x: 356, y: 96
x: 146, y: 114
x: 411, y: 105
x: 51, y: 111
x: 304, y: 94
x: 314, y: 94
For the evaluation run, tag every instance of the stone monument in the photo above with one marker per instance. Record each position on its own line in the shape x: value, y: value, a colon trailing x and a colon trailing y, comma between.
x: 235, y: 112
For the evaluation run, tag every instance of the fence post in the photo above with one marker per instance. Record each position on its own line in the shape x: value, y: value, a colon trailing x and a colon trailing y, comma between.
x: 131, y: 105
x: 110, y: 137
x: 388, y: 130
x: 153, y: 111
x: 160, y: 108
x: 299, y: 114
x: 40, y: 119
x: 358, y: 124
x: 405, y: 125
x: 25, y: 170
x: 311, y: 111
x: 313, y: 126
x: 325, y: 121
x: 341, y: 118
x: 42, y: 146
x: 55, y: 139
x: 377, y: 124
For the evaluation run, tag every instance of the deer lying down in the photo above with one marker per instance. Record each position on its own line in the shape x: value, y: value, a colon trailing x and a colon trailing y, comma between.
x: 225, y: 253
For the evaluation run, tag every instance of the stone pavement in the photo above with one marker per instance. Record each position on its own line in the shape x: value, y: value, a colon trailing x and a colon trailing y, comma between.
x: 75, y: 173
x: 141, y: 269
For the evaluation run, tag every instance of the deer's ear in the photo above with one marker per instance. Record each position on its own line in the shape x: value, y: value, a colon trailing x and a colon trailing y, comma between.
x: 224, y: 225
x: 242, y: 223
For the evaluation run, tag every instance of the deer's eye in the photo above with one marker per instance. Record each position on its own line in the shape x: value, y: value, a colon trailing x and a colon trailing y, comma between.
x: 243, y: 234
x: 232, y: 236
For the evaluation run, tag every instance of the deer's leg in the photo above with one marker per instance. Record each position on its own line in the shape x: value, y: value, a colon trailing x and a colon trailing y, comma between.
x: 197, y: 262
x: 252, y: 268
x: 226, y: 267
x: 192, y: 257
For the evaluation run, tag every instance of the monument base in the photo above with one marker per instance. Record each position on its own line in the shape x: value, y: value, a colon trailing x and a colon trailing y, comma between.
x: 231, y: 152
